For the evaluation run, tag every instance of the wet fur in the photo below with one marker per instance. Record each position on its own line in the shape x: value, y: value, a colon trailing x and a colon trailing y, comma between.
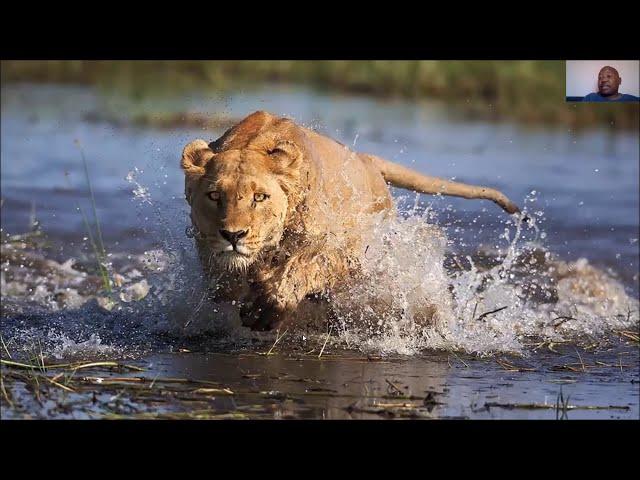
x: 306, y: 238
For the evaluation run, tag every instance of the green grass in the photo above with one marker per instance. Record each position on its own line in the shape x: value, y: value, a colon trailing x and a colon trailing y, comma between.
x: 524, y: 91
x: 97, y: 247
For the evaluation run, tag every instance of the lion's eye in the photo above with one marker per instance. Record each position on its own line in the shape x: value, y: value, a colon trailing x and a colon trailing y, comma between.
x: 283, y: 147
x: 215, y: 196
x: 260, y: 197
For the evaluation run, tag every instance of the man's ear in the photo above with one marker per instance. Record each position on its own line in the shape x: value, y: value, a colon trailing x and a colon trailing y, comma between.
x: 285, y: 158
x: 195, y: 157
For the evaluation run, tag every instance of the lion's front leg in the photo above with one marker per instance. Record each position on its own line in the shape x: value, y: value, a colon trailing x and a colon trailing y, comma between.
x: 311, y: 270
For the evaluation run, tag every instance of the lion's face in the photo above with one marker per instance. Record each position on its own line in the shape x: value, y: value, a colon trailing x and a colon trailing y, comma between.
x: 238, y: 199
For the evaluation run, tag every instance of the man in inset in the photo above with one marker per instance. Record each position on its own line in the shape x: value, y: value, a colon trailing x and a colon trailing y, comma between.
x: 608, y: 82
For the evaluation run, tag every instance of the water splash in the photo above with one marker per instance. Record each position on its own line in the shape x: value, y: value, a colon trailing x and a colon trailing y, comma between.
x: 140, y: 192
x: 407, y: 301
x: 415, y: 292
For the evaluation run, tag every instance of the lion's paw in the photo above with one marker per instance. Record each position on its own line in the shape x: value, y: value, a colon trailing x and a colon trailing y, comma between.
x: 264, y: 314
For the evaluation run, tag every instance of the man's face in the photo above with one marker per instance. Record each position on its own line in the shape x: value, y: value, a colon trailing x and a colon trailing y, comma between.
x: 608, y: 82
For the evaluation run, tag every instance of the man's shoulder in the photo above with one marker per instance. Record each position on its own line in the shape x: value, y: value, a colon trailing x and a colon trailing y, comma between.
x: 593, y: 97
x: 596, y: 97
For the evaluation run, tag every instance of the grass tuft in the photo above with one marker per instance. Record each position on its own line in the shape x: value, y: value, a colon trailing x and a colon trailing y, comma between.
x: 97, y: 246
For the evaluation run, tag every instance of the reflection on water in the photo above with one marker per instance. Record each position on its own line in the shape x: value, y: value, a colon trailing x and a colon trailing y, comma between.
x: 347, y: 386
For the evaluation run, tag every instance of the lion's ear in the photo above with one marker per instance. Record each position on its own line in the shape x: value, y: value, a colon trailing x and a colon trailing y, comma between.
x: 195, y: 157
x: 286, y: 157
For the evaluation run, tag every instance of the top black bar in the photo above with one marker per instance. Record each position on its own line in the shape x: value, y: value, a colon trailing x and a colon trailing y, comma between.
x: 536, y: 34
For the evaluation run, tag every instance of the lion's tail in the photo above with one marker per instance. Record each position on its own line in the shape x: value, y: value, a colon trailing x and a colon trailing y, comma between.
x: 402, y: 177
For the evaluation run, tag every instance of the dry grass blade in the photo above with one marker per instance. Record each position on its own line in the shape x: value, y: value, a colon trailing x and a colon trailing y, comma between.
x: 604, y: 364
x: 214, y: 391
x: 551, y: 349
x: 406, y: 412
x: 563, y: 318
x: 71, y: 366
x: 154, y: 381
x: 4, y: 392
x: 134, y: 380
x: 395, y: 388
x: 9, y: 363
x: 190, y: 415
x: 505, y: 365
x: 491, y: 312
x: 475, y: 308
x: 398, y: 405
x: 561, y: 404
x: 59, y: 385
x: 278, y: 338
x: 133, y: 367
x: 581, y: 362
x: 463, y: 362
x: 112, y: 380
x: 566, y: 367
x: 4, y: 345
x: 633, y: 336
x: 513, y: 368
x: 620, y: 363
x: 325, y: 342
x: 96, y: 364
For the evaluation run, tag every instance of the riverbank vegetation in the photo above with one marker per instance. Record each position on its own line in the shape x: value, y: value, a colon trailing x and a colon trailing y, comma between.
x: 522, y: 91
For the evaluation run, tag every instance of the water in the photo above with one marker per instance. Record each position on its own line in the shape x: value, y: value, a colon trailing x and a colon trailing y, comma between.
x: 570, y: 278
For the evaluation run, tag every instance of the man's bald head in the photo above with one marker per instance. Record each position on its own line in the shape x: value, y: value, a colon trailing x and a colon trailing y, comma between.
x: 608, y: 81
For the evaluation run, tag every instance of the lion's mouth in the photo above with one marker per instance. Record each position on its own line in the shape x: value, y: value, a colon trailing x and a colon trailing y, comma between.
x: 237, y: 248
x: 224, y: 248
x: 235, y: 260
x: 237, y: 252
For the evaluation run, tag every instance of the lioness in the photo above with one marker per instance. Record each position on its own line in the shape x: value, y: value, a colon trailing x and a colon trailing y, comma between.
x: 278, y: 211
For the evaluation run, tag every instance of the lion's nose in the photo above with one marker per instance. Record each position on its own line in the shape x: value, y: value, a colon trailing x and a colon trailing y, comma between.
x: 233, y: 237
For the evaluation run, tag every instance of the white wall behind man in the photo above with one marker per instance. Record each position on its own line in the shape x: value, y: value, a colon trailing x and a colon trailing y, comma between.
x: 582, y: 76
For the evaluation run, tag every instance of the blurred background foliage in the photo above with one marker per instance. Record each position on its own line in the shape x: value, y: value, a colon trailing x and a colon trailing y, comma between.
x: 523, y: 91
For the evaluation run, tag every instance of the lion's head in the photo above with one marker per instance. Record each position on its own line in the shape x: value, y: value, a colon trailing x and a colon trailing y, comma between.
x: 241, y: 188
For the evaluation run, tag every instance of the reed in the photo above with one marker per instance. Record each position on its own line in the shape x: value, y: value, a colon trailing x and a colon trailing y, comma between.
x: 97, y: 247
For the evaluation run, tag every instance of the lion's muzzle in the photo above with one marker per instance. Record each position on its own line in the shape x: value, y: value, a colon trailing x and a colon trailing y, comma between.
x: 233, y: 237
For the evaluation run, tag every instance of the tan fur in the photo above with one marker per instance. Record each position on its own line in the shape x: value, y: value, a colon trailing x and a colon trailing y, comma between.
x: 305, y: 237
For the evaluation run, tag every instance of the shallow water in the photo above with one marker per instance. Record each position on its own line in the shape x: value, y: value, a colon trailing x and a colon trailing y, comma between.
x: 344, y: 385
x: 581, y: 189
